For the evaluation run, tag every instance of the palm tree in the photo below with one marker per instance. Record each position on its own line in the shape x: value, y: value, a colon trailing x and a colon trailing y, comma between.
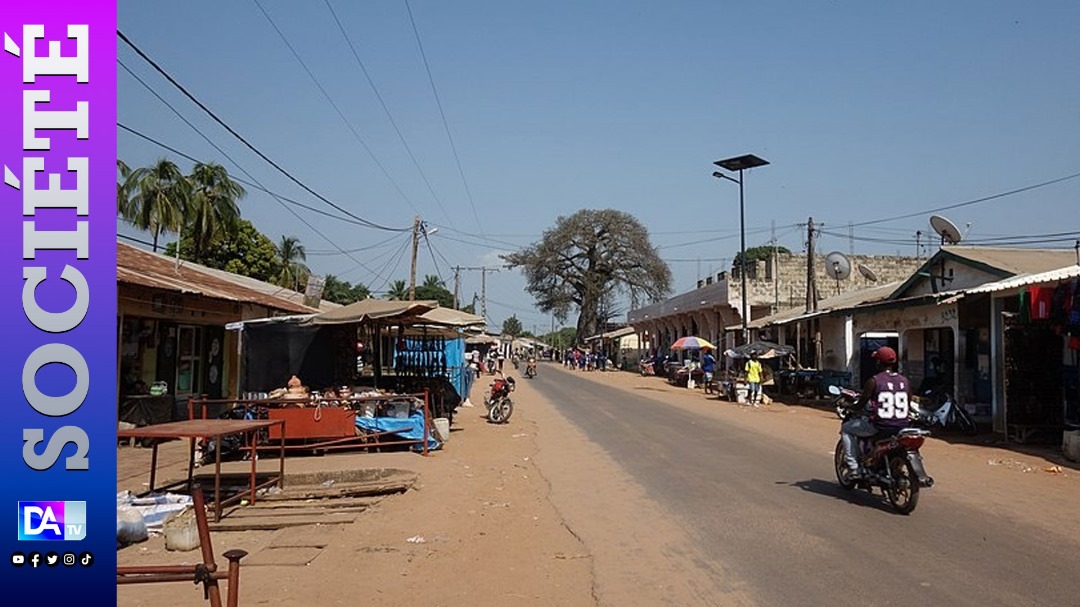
x: 124, y: 187
x: 159, y: 201
x: 291, y: 255
x: 213, y: 209
x: 432, y: 281
x: 398, y: 290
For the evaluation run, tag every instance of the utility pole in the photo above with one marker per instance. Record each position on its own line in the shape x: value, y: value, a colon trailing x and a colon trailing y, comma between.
x: 483, y: 285
x: 457, y: 283
x: 775, y: 271
x: 918, y: 245
x: 811, y: 278
x: 415, y: 246
x: 483, y: 292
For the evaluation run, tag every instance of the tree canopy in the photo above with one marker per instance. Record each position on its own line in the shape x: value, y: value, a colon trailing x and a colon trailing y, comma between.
x: 761, y: 253
x: 512, y: 327
x: 588, y: 256
x: 245, y: 251
x: 342, y: 292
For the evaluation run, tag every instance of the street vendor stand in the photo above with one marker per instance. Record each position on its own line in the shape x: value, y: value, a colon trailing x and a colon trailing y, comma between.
x: 418, y: 342
x: 322, y: 423
x: 216, y: 430
x: 734, y: 386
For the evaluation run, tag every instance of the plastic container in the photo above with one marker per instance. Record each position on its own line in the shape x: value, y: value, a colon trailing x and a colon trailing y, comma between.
x: 181, y: 531
x: 442, y: 428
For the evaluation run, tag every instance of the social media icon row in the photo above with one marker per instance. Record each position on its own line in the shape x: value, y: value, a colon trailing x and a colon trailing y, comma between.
x: 51, y: 559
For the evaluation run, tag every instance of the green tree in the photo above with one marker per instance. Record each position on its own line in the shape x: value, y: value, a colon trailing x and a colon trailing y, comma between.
x: 586, y: 256
x: 291, y: 257
x: 340, y: 291
x: 247, y: 252
x: 213, y: 206
x: 761, y: 253
x: 512, y: 327
x: 399, y: 290
x: 563, y: 338
x: 160, y: 199
x: 124, y: 186
x: 433, y: 287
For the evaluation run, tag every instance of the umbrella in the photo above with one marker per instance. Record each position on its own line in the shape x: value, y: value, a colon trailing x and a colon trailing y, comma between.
x: 691, y: 343
x: 764, y: 349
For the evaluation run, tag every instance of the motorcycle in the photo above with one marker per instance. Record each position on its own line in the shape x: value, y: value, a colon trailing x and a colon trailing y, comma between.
x: 891, y: 460
x: 937, y: 409
x: 530, y: 369
x: 497, y: 400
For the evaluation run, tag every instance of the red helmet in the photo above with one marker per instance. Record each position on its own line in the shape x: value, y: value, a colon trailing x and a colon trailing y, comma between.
x: 886, y: 355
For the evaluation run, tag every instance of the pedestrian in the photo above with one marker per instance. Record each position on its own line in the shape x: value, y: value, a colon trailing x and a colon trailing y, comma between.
x: 502, y: 360
x: 708, y: 367
x: 475, y: 365
x: 753, y: 377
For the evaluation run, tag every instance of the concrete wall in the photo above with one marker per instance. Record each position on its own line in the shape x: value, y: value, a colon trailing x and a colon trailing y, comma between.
x: 789, y: 271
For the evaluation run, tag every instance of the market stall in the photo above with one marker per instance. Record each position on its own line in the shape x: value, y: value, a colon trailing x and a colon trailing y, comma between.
x: 375, y: 373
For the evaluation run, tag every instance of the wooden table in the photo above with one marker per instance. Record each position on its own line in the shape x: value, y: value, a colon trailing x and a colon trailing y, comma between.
x: 215, y: 429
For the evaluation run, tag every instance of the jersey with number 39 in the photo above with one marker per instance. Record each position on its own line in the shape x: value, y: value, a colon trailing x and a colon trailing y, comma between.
x: 890, y: 406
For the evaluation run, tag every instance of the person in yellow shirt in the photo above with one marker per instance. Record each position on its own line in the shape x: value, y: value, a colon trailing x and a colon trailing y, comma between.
x: 753, y: 377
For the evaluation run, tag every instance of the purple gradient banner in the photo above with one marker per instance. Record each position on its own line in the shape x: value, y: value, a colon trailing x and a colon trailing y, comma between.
x: 58, y: 271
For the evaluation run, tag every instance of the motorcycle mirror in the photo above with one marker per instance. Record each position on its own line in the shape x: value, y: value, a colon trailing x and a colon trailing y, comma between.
x: 835, y: 390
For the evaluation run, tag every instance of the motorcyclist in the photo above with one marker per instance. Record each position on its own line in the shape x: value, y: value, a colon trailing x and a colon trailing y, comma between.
x: 530, y: 368
x: 883, y: 406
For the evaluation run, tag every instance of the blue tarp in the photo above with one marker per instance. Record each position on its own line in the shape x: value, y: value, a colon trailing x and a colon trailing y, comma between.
x: 411, y: 428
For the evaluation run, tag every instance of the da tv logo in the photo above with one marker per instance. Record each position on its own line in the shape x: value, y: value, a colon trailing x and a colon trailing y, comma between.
x: 53, y: 521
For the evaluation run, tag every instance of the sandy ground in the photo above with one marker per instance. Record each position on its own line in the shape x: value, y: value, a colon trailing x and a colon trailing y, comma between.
x: 531, y: 513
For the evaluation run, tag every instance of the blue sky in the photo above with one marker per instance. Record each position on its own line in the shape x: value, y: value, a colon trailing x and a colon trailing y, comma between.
x: 866, y: 111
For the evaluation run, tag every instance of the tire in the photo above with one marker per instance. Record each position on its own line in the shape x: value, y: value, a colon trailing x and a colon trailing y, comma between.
x: 841, y: 468
x: 507, y: 407
x: 501, y: 411
x: 963, y: 421
x: 903, y: 494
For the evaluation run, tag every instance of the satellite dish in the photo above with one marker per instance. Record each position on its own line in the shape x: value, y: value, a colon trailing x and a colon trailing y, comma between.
x: 837, y: 266
x: 867, y: 273
x: 950, y: 234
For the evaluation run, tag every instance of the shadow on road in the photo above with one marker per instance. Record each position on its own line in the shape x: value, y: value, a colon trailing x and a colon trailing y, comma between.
x: 831, y: 489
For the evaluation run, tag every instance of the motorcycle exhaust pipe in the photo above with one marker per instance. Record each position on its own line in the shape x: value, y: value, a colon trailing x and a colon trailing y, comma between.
x: 916, y: 463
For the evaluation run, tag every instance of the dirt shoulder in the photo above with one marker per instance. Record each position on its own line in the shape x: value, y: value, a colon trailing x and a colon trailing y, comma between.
x: 490, y: 536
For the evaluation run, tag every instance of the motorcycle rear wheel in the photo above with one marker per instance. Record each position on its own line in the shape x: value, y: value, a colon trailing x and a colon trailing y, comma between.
x: 903, y: 493
x: 501, y: 411
x: 841, y: 468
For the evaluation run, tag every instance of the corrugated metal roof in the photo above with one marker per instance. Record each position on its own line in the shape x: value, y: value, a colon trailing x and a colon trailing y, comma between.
x: 1015, y: 260
x: 842, y: 301
x: 265, y: 287
x: 1066, y: 273
x: 139, y: 267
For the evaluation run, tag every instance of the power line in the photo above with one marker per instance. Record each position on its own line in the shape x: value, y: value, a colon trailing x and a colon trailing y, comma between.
x: 240, y: 137
x: 389, y: 116
x: 253, y: 183
x: 971, y: 202
x: 446, y: 125
x: 340, y: 114
x: 166, y: 146
x: 356, y: 250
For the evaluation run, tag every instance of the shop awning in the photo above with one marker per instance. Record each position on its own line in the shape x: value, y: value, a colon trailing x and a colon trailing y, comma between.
x: 449, y: 317
x: 375, y: 309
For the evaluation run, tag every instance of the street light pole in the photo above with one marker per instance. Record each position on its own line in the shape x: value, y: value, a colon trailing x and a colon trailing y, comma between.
x: 739, y: 164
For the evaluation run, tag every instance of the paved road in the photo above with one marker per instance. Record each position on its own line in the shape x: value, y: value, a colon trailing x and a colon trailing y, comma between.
x: 773, y: 514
